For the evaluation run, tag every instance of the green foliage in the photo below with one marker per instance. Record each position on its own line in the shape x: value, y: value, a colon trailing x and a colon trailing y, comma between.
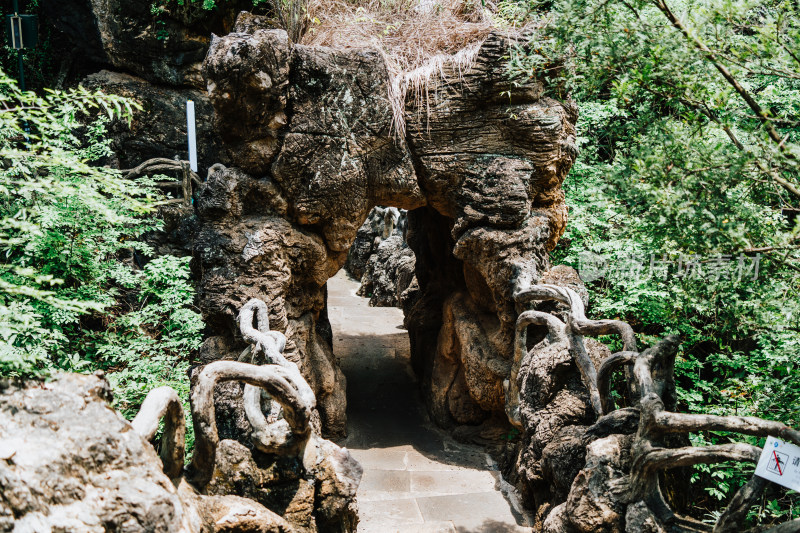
x: 71, y: 295
x: 157, y: 8
x: 689, y: 141
x: 148, y: 341
x: 514, y: 12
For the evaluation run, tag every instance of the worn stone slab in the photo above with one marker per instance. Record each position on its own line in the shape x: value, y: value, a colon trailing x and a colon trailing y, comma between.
x: 446, y: 461
x: 388, y: 516
x: 360, y: 349
x: 383, y: 496
x: 452, y: 482
x: 470, y: 510
x: 381, y: 459
x: 434, y: 527
x: 385, y: 481
x: 408, y: 464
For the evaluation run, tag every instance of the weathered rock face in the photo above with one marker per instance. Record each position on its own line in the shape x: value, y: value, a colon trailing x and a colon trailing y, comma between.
x: 382, y: 260
x: 159, y: 129
x: 596, y: 499
x: 324, y: 503
x: 311, y: 149
x: 250, y: 250
x: 492, y: 157
x: 389, y: 274
x: 58, y: 470
x: 339, y: 158
x: 250, y: 99
x: 314, y: 135
x: 381, y: 223
x: 68, y: 462
x: 491, y: 166
x: 166, y: 47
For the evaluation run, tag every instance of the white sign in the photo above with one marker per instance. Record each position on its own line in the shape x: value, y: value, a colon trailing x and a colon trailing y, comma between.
x: 190, y: 130
x: 780, y: 462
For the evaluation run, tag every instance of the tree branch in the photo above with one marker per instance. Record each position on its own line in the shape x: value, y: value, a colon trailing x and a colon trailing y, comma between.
x: 555, y: 333
x: 732, y: 81
x: 734, y: 516
x: 668, y: 422
x: 607, y: 367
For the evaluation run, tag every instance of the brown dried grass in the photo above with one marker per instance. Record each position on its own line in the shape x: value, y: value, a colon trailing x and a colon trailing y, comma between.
x: 405, y: 30
x: 417, y: 38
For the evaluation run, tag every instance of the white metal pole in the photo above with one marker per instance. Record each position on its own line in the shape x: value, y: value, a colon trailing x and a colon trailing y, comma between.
x: 190, y: 129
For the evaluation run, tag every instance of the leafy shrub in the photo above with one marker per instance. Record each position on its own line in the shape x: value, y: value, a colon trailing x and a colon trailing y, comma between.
x: 72, y: 296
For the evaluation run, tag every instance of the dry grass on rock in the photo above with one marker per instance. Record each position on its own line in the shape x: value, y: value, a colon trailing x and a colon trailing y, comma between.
x: 418, y: 38
x: 408, y: 31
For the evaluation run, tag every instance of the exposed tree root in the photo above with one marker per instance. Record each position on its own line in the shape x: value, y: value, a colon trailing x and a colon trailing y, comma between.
x: 651, y: 393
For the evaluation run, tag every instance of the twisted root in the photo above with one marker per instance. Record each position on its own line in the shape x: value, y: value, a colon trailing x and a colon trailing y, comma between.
x: 163, y: 402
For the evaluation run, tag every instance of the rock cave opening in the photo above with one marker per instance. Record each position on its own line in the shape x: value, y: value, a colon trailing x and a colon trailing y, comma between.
x: 415, y: 474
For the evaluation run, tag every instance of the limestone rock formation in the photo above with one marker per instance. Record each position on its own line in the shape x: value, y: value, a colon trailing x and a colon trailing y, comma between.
x: 158, y: 130
x: 250, y: 98
x: 389, y: 274
x: 249, y: 250
x: 166, y: 46
x: 68, y: 462
x: 619, y: 473
x: 592, y: 504
x: 381, y: 223
x: 280, y: 226
x: 339, y: 156
x: 491, y: 167
x: 324, y: 503
x: 286, y: 465
x: 58, y: 470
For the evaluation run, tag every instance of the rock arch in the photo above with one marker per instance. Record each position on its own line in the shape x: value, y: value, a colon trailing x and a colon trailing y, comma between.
x: 310, y: 133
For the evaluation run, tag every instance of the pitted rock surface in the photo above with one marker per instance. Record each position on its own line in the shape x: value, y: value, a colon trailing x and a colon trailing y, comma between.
x: 319, y: 501
x: 59, y: 466
x: 389, y: 273
x: 489, y: 165
x: 250, y: 99
x: 377, y: 227
x: 69, y: 462
x: 339, y: 158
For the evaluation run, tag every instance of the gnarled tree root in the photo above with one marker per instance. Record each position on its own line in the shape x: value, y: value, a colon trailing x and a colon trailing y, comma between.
x: 654, y: 373
x: 651, y: 393
x: 296, y: 411
x: 576, y: 327
x: 267, y: 348
x: 159, y: 403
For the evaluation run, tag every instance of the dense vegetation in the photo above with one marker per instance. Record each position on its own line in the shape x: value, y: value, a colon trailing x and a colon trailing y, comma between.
x: 72, y: 297
x: 684, y: 198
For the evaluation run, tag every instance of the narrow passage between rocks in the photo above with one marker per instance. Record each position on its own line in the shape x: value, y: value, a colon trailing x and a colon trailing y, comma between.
x: 416, y: 478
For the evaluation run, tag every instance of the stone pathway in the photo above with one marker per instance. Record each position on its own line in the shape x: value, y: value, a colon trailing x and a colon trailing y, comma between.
x: 416, y: 478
